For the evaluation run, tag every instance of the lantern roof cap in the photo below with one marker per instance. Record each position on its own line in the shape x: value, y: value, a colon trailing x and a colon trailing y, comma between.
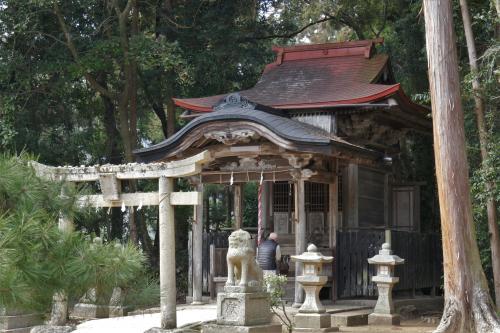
x: 312, y: 255
x: 385, y: 257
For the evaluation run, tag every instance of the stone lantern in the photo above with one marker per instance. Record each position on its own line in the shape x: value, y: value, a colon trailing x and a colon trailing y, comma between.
x: 384, y: 313
x: 312, y: 316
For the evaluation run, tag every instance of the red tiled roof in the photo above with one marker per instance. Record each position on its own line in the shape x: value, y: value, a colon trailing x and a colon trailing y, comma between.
x: 311, y: 76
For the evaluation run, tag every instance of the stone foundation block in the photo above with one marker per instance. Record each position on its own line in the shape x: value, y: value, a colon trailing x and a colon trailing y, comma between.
x: 19, y: 321
x: 52, y: 329
x: 352, y: 318
x: 173, y: 330
x: 17, y: 330
x: 90, y: 311
x: 118, y: 311
x: 243, y: 309
x: 314, y: 321
x: 215, y: 328
x: 315, y: 330
x: 383, y: 319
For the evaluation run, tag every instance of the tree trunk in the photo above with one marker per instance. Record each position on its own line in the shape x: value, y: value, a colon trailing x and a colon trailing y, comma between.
x: 468, y: 305
x: 170, y: 104
x: 491, y: 205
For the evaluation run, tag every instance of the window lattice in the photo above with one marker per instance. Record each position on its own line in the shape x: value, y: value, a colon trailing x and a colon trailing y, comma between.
x: 283, y: 197
x: 316, y: 197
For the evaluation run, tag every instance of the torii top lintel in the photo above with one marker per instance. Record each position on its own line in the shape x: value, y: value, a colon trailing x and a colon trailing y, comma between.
x: 180, y: 168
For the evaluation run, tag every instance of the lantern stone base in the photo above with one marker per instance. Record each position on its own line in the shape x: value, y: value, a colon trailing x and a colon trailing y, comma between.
x: 215, y: 328
x: 243, y: 309
x: 314, y: 322
x: 383, y: 319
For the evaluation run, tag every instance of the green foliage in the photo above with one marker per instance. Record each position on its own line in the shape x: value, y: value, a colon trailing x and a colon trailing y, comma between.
x: 201, y: 48
x: 275, y: 285
x: 143, y: 292
x: 250, y: 210
x: 33, y: 252
x: 105, y: 266
x: 37, y: 259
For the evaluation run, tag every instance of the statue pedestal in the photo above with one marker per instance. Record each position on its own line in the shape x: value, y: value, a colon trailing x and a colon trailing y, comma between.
x: 215, y: 328
x: 243, y: 307
x: 242, y: 313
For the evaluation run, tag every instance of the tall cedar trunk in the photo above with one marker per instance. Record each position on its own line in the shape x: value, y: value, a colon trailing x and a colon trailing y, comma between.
x: 491, y: 205
x: 113, y: 155
x: 127, y: 104
x: 168, y: 11
x: 468, y: 306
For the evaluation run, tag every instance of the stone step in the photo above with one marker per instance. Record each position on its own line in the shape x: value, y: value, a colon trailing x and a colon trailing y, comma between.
x: 19, y: 321
x: 347, y: 308
x: 351, y: 318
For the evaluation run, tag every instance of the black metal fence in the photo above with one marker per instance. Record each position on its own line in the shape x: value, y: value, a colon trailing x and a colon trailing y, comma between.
x: 422, y: 254
x: 219, y: 240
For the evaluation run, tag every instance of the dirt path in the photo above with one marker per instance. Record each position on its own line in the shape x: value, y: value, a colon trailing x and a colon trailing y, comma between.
x: 409, y: 326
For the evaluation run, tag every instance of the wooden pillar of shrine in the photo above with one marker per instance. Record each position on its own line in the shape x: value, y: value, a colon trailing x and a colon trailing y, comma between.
x: 197, y: 240
x: 238, y: 206
x: 167, y: 255
x: 300, y: 235
x: 333, y: 222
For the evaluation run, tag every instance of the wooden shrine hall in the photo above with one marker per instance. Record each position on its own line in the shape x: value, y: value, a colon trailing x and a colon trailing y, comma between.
x: 321, y: 133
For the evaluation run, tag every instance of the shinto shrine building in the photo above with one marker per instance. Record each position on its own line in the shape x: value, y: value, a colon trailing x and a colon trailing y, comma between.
x: 321, y: 132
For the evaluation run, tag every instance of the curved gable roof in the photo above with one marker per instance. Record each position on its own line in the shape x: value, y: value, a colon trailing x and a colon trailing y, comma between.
x: 284, y: 130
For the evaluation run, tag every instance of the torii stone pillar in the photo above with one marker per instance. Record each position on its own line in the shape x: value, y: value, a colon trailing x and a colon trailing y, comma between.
x: 165, y: 198
x: 167, y: 254
x: 59, y: 313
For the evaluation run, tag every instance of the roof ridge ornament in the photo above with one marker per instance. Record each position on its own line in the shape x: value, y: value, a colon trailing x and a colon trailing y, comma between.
x: 234, y: 100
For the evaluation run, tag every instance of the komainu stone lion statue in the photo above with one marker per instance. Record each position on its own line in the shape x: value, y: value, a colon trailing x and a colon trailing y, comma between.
x: 242, y: 268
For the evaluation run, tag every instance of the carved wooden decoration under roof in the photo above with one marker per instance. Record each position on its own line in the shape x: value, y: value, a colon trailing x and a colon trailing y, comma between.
x: 366, y: 130
x: 248, y: 164
x: 232, y: 137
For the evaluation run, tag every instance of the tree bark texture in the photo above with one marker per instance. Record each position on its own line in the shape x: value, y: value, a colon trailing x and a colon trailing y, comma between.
x: 468, y: 305
x: 491, y: 205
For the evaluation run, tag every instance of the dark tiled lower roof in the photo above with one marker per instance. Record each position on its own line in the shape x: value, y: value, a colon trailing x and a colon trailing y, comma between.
x: 289, y: 129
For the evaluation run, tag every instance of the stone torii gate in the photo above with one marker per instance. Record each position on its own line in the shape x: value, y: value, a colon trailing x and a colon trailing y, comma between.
x: 109, y: 177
